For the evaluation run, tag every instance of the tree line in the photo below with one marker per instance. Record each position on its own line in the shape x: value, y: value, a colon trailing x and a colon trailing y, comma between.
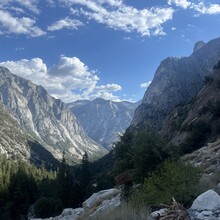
x: 23, y: 185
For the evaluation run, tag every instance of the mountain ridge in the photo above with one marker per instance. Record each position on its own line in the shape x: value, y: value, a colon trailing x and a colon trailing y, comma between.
x: 104, y: 120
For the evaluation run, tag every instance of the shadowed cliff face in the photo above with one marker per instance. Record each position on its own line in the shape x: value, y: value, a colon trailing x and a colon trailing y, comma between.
x: 46, y: 119
x: 176, y: 82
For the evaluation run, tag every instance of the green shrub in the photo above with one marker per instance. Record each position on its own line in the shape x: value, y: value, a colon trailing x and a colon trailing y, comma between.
x: 48, y: 207
x: 174, y: 179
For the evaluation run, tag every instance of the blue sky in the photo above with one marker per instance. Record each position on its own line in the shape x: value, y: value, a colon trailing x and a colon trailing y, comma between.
x: 84, y: 49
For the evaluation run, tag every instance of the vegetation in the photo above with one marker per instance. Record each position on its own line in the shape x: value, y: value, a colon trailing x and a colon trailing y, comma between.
x: 125, y: 212
x: 143, y: 152
x: 23, y: 184
x: 142, y: 158
x: 173, y: 179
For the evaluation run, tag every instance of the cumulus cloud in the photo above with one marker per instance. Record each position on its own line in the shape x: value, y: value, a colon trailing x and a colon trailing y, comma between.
x: 180, y: 3
x: 17, y: 25
x: 203, y: 9
x: 34, y: 69
x: 65, y: 23
x: 115, y: 14
x: 199, y: 7
x: 68, y: 80
x: 145, y: 85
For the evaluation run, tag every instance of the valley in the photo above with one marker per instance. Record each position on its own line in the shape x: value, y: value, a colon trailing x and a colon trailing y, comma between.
x: 164, y: 146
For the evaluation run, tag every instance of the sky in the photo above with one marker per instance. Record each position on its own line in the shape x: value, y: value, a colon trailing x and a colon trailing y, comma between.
x: 85, y: 49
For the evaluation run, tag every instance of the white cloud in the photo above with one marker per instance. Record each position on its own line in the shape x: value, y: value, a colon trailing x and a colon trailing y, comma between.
x: 17, y: 25
x: 199, y: 7
x: 34, y: 69
x: 173, y: 28
x: 51, y: 3
x: 203, y: 9
x: 115, y: 14
x: 28, y: 4
x: 108, y: 87
x: 145, y: 85
x: 65, y: 23
x: 68, y: 80
x: 180, y: 3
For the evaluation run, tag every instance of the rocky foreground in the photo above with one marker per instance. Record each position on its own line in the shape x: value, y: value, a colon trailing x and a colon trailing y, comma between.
x: 205, y: 207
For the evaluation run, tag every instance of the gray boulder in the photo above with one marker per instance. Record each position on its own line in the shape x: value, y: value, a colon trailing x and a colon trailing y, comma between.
x: 206, y: 206
x: 209, y: 200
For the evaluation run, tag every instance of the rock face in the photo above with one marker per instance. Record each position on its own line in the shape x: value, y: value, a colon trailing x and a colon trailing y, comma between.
x: 47, y: 120
x: 104, y: 120
x: 15, y: 142
x: 202, y: 110
x: 176, y: 82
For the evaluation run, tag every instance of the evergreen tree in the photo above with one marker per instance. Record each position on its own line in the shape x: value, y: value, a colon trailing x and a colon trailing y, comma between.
x: 85, y: 175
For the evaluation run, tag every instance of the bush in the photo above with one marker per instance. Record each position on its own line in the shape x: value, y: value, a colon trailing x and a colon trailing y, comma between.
x: 150, y: 151
x: 47, y: 207
x: 174, y: 179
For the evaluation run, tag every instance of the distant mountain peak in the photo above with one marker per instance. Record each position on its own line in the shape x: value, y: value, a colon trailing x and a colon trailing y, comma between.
x: 104, y: 120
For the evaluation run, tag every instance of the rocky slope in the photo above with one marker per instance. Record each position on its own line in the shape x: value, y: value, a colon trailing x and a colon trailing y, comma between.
x: 15, y: 142
x: 104, y: 120
x: 47, y: 120
x: 176, y: 82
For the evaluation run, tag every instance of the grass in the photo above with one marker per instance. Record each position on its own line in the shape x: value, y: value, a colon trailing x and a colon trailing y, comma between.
x: 125, y: 212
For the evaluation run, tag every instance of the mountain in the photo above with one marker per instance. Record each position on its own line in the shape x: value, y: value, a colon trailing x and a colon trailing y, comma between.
x: 104, y: 120
x: 176, y: 82
x: 198, y: 122
x: 46, y: 119
x: 15, y: 142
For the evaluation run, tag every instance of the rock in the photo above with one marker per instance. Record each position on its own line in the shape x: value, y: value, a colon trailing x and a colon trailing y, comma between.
x: 107, y: 206
x: 67, y: 214
x: 71, y: 214
x: 97, y: 198
x: 209, y: 200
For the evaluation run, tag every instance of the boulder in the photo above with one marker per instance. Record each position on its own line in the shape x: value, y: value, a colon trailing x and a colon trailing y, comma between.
x: 209, y: 200
x: 97, y: 198
x: 107, y: 206
x: 67, y: 214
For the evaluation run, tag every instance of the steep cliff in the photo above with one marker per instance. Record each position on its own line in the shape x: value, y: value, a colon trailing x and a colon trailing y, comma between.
x: 176, y: 82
